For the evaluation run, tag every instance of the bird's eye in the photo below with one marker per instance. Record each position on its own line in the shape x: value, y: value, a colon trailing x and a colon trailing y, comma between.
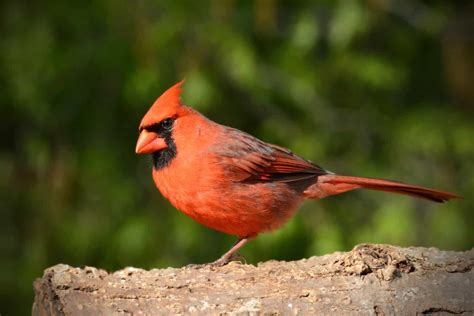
x: 167, y: 123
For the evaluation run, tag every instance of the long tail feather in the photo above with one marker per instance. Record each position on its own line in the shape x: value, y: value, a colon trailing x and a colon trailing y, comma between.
x: 335, y: 184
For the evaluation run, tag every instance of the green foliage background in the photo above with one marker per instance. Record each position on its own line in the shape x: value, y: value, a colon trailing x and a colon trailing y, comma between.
x: 377, y: 88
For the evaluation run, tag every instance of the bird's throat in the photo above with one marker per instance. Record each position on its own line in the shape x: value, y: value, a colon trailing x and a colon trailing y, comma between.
x: 162, y: 158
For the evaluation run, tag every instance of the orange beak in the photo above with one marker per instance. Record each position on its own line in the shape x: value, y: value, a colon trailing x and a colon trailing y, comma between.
x: 149, y: 142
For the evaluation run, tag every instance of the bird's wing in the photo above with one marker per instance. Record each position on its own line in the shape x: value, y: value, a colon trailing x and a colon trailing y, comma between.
x: 248, y: 159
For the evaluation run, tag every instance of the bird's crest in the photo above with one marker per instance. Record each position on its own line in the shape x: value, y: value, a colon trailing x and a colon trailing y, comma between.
x: 167, y: 105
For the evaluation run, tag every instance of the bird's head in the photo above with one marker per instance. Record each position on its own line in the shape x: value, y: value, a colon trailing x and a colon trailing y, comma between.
x: 156, y: 127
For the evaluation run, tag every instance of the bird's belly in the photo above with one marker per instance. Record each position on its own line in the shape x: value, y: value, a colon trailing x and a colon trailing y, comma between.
x: 242, y: 211
x: 233, y: 208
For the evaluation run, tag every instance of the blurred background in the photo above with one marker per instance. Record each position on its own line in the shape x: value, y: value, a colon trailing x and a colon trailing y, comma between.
x: 376, y: 88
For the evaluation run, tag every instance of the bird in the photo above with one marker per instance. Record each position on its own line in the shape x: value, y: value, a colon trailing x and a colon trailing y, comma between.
x: 233, y: 182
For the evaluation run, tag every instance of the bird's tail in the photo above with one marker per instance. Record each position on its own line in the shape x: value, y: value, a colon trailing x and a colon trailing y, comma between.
x: 334, y: 184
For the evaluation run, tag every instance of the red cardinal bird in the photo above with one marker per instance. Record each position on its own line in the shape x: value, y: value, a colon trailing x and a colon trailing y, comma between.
x: 233, y: 182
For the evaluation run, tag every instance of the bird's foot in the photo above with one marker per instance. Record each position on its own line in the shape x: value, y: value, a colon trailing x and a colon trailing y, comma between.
x: 211, y: 265
x: 229, y: 256
x: 222, y: 261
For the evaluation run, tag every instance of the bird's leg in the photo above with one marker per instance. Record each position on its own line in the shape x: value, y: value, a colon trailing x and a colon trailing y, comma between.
x: 226, y: 258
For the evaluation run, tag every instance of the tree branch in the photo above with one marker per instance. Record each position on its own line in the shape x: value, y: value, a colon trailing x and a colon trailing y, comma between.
x: 370, y: 279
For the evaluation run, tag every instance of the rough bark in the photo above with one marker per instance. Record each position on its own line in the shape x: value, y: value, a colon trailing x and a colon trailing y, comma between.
x: 371, y: 279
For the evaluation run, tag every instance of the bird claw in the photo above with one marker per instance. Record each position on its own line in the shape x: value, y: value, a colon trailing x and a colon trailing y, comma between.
x: 218, y: 263
x: 211, y: 265
x: 225, y: 260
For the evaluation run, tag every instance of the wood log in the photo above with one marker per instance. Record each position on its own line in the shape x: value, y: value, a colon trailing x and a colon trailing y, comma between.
x: 371, y: 279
